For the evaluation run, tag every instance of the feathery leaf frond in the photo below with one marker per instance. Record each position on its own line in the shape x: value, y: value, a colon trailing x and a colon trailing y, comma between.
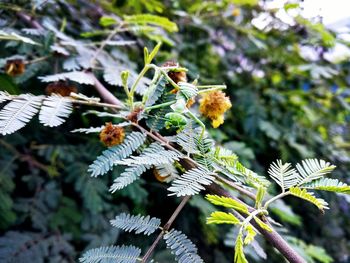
x: 251, y: 177
x: 143, y: 19
x: 312, y: 169
x: 283, y: 175
x: 155, y: 154
x: 219, y: 217
x: 111, y: 254
x: 105, y: 162
x: 303, y: 194
x: 16, y: 114
x: 186, y: 139
x: 328, y: 184
x: 249, y: 238
x: 4, y: 96
x: 139, y: 224
x: 183, y: 248
x: 128, y: 176
x: 89, y: 130
x: 77, y: 76
x: 227, y: 202
x: 191, y: 182
x: 54, y: 109
x: 262, y: 224
x: 239, y: 252
x: 156, y: 93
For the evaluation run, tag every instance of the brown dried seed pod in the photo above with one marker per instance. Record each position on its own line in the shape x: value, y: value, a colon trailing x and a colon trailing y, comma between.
x: 112, y: 135
x: 175, y: 76
x: 134, y: 115
x: 60, y: 87
x: 158, y: 176
x: 15, y: 67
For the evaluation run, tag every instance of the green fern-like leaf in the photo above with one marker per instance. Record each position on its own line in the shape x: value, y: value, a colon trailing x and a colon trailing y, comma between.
x: 327, y: 184
x: 157, y: 91
x: 191, y: 182
x: 143, y: 19
x: 283, y: 175
x: 218, y: 217
x: 123, y: 254
x: 155, y: 118
x: 105, y: 162
x: 250, y: 177
x: 55, y: 108
x: 313, y: 169
x: 249, y: 238
x: 186, y: 138
x: 225, y: 156
x: 16, y: 114
x: 262, y: 224
x: 227, y: 202
x: 77, y: 76
x: 139, y: 224
x: 239, y: 252
x: 130, y: 174
x: 303, y: 194
x: 4, y: 96
x: 155, y: 154
x: 184, y: 250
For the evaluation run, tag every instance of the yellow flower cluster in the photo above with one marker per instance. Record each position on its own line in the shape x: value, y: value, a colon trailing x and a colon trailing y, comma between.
x: 214, y: 105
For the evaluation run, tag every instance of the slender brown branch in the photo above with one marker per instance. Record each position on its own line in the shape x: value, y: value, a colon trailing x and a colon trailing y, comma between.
x: 105, y: 93
x: 29, y: 20
x: 104, y: 43
x: 237, y: 187
x: 166, y: 227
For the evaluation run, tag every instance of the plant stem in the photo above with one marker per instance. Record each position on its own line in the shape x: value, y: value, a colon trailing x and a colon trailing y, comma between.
x: 98, y: 104
x: 166, y: 227
x: 105, y: 93
x: 252, y: 215
x: 134, y: 86
x: 37, y: 60
x: 211, y: 86
x: 268, y: 202
x: 104, y: 43
x: 160, y: 105
x: 211, y: 89
x: 237, y: 187
x: 194, y: 117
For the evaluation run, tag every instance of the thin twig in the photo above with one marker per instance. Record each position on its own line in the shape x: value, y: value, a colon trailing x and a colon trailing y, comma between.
x: 166, y: 227
x: 237, y: 187
x: 105, y: 93
x: 104, y: 43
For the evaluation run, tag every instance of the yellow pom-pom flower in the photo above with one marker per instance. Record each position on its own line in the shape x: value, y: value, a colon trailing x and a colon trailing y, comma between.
x: 213, y: 105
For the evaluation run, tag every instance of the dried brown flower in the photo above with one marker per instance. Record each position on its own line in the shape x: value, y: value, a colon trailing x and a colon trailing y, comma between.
x: 112, y: 135
x: 15, y: 67
x: 176, y: 76
x: 159, y: 177
x: 134, y: 115
x: 60, y: 87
